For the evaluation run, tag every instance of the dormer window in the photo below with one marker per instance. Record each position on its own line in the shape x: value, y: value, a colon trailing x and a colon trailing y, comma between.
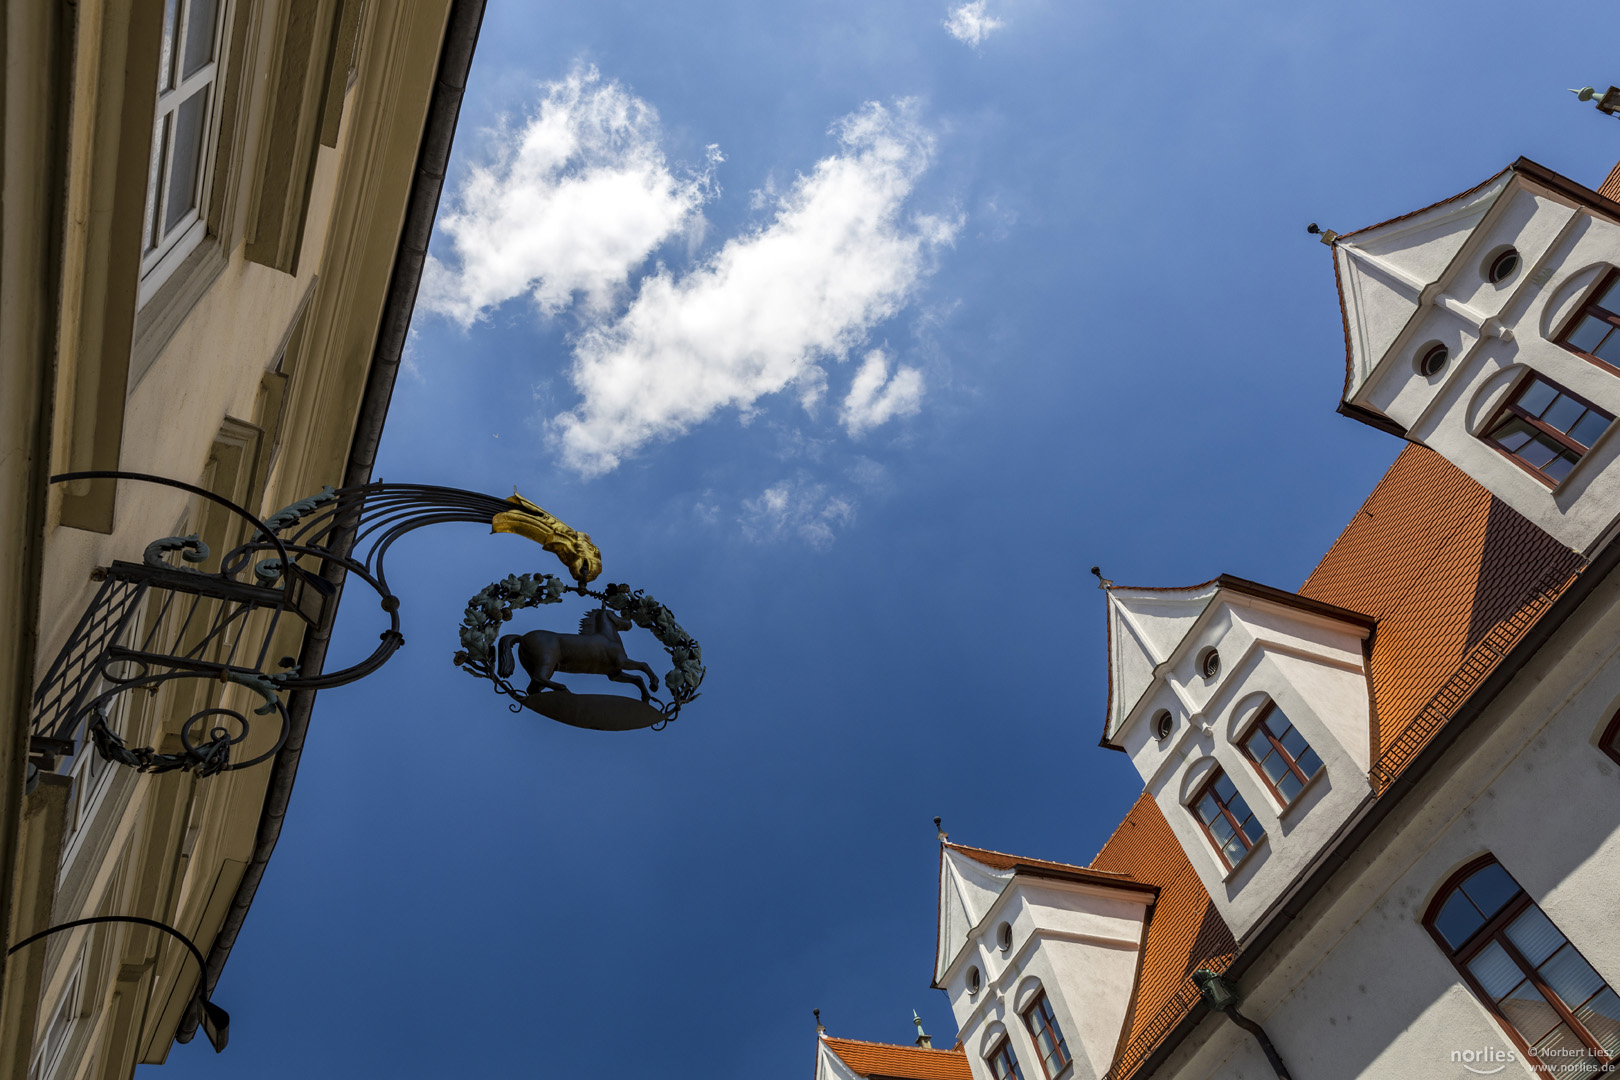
x: 1281, y: 754
x: 1226, y: 818
x: 1043, y: 1028
x: 1594, y: 332
x: 1004, y: 1063
x: 1547, y: 429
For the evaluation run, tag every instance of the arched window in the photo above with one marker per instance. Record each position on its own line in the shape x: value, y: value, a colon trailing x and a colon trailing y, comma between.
x: 1281, y: 754
x: 1539, y: 987
x: 1043, y: 1028
x: 1004, y: 1063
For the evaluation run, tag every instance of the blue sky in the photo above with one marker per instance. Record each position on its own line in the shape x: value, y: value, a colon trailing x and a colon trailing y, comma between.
x: 856, y: 342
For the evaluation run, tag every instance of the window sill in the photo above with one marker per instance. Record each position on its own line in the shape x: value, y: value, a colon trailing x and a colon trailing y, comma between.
x: 161, y: 316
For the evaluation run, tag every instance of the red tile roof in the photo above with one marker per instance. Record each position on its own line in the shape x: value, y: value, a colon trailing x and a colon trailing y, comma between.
x: 1000, y: 860
x: 1611, y: 187
x: 1443, y: 566
x: 900, y: 1062
x: 1184, y: 932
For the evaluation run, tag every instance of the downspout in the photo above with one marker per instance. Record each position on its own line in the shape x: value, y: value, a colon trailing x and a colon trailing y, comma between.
x: 432, y: 162
x: 1219, y: 995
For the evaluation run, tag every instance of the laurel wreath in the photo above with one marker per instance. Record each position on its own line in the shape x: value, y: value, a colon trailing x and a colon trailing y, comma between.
x: 493, y: 606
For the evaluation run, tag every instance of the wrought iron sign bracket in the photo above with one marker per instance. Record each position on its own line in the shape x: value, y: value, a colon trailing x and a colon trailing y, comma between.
x: 181, y: 614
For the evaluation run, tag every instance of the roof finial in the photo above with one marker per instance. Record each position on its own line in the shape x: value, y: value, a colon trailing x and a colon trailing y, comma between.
x: 922, y: 1036
x: 1327, y: 235
x: 821, y: 1029
x: 1609, y: 102
x: 1102, y: 582
x: 943, y: 835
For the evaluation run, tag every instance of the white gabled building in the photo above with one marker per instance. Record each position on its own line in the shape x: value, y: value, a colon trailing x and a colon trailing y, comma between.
x: 1381, y: 815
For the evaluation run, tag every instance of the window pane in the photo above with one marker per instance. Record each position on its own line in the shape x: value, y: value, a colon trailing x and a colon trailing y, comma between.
x: 1534, y: 935
x: 1538, y: 451
x: 1586, y: 336
x: 1560, y: 466
x: 154, y: 184
x: 1274, y: 767
x: 1564, y: 1054
x: 1590, y: 426
x: 1252, y: 829
x: 1259, y: 745
x: 1294, y: 743
x: 1225, y: 790
x: 1208, y: 810
x: 1536, y: 397
x: 1221, y: 829
x: 1458, y: 919
x: 1497, y: 972
x: 1611, y: 298
x: 188, y: 135
x: 1563, y: 412
x: 199, y: 37
x: 1513, y: 434
x: 1601, y: 1016
x: 1571, y: 977
x: 1609, y: 351
x: 1309, y: 763
x: 1528, y: 1011
x: 1289, y: 786
x: 1234, y: 850
x: 1490, y: 889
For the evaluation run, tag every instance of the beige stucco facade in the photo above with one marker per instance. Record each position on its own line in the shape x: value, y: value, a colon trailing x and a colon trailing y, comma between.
x: 238, y: 362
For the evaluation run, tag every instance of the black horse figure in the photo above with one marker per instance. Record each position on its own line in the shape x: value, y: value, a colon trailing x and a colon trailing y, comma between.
x: 595, y: 650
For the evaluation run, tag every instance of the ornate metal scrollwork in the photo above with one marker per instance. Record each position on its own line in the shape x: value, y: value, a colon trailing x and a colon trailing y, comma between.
x: 160, y: 619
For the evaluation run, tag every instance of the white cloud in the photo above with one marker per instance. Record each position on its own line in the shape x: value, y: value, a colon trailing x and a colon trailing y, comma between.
x: 757, y: 316
x: 969, y: 24
x: 575, y: 198
x: 876, y: 397
x: 798, y: 508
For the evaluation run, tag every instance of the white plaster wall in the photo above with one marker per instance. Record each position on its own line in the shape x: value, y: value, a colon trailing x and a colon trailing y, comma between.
x: 1080, y: 943
x: 1360, y: 989
x: 1491, y: 327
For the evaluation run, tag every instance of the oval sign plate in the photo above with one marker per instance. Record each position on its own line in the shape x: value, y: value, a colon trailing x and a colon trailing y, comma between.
x: 598, y: 712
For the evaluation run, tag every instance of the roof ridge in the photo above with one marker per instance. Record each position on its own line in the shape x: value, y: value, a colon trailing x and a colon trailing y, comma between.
x: 1031, y: 859
x: 891, y: 1046
x: 1167, y: 588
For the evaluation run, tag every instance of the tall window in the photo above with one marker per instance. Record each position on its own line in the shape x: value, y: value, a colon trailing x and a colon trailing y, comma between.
x: 1594, y: 332
x: 1547, y: 429
x: 1281, y: 753
x: 1043, y: 1028
x: 1004, y: 1063
x: 1539, y: 987
x: 1226, y: 817
x: 176, y: 184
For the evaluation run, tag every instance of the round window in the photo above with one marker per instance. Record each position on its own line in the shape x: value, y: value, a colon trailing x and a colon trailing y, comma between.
x: 1209, y: 663
x: 1433, y: 360
x: 973, y: 980
x: 1503, y: 266
x: 1162, y: 721
x: 1004, y: 936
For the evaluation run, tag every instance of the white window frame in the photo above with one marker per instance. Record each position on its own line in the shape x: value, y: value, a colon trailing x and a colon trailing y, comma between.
x: 162, y: 250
